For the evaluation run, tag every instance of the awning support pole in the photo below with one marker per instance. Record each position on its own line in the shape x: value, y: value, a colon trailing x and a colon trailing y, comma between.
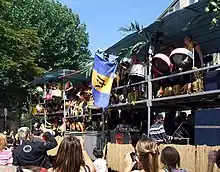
x: 149, y: 102
x: 64, y: 100
x: 103, y: 128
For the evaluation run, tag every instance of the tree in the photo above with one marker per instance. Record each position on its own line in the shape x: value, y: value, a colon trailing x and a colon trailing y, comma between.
x: 214, y: 8
x: 134, y: 27
x: 17, y: 51
x: 64, y: 41
x: 87, y: 65
x: 36, y: 35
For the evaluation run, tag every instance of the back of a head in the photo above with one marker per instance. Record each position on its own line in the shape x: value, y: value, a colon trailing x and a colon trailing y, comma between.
x: 23, y: 133
x: 69, y: 156
x: 189, y: 37
x: 218, y: 158
x: 183, y: 115
x: 170, y: 158
x: 3, y: 141
x: 135, y: 138
x: 98, y: 153
x: 37, y: 132
x: 147, y: 151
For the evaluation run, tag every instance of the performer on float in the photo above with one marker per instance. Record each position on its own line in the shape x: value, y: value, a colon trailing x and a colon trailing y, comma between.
x: 68, y: 89
x: 123, y: 126
x: 157, y: 131
x: 137, y: 74
x: 190, y: 44
x: 122, y: 78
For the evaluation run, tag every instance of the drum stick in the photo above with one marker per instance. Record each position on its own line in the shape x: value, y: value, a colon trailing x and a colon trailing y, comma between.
x: 193, y: 50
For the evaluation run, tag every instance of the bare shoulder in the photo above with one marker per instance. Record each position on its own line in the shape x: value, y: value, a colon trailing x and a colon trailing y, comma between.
x: 161, y: 170
x: 50, y: 170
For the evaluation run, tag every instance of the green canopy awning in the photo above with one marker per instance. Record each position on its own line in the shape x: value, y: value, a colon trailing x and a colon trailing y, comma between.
x: 74, y: 76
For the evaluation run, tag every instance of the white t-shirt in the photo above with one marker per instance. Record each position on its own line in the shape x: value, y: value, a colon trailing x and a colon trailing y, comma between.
x: 100, y: 165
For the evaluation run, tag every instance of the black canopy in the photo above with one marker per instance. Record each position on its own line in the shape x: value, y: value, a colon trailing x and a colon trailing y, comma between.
x: 192, y: 20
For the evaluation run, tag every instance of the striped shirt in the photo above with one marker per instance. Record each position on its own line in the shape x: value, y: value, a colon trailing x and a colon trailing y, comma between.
x: 6, y: 157
x: 158, y: 133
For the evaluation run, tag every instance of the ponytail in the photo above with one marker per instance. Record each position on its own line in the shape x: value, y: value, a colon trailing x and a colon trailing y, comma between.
x: 150, y: 162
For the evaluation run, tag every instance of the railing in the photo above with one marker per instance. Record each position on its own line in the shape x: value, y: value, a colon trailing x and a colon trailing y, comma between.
x: 156, y: 99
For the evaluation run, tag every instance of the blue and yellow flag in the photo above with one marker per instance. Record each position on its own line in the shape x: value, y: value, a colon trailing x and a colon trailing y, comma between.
x: 102, y: 79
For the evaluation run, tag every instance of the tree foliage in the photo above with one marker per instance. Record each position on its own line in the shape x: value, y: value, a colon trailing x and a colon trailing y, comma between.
x: 17, y: 51
x: 133, y: 27
x: 147, y: 39
x: 36, y: 35
x: 214, y: 8
x: 87, y: 65
x: 64, y: 39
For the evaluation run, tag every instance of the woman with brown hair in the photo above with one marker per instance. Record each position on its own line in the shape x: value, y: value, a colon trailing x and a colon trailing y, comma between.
x: 147, y: 156
x: 72, y: 157
x: 170, y: 158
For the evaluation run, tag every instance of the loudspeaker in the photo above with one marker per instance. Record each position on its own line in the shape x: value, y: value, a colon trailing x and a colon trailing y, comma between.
x: 212, y: 80
x: 207, y: 127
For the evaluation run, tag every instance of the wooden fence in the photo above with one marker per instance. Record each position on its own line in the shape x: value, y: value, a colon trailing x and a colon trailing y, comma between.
x: 193, y: 158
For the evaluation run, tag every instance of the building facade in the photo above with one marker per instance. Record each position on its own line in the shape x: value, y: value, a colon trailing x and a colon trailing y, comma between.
x: 177, y: 5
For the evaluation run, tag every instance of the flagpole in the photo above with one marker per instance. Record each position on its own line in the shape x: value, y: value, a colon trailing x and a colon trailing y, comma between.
x: 149, y: 102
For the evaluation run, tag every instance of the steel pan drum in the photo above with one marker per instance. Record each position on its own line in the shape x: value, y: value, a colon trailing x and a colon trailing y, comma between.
x: 137, y: 72
x: 161, y: 63
x: 182, y: 57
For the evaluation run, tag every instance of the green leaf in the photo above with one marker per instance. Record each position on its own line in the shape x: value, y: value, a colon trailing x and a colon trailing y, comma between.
x: 134, y: 49
x: 134, y: 27
x: 214, y: 21
x: 207, y: 9
x: 214, y: 4
x: 215, y: 10
x: 64, y: 39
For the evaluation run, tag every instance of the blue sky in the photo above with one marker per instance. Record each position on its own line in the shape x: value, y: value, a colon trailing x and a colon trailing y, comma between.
x: 104, y: 17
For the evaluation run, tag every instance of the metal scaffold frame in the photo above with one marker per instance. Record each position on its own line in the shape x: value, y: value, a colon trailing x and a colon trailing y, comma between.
x: 151, y: 102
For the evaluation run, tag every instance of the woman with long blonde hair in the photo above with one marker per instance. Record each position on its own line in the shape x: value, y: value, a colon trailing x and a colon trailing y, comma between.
x: 147, y: 156
x: 5, y: 153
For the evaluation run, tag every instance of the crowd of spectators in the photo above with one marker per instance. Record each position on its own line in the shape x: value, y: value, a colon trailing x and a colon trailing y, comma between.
x: 28, y: 153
